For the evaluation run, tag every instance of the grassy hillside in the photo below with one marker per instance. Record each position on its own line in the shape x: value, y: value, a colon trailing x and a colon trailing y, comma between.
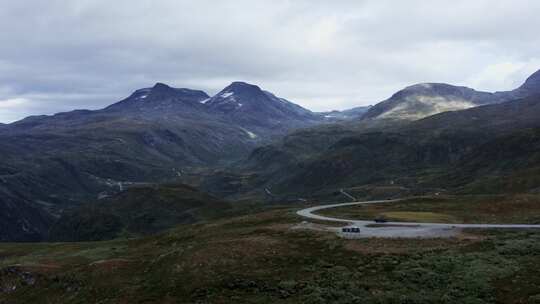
x: 137, y: 211
x: 486, y: 209
x: 489, y: 149
x: 60, y: 165
x: 261, y: 258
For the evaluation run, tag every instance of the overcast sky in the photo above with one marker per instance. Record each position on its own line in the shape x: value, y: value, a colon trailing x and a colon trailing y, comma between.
x: 72, y: 54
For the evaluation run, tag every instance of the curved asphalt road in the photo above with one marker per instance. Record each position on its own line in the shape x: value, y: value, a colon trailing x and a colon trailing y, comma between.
x: 402, y: 229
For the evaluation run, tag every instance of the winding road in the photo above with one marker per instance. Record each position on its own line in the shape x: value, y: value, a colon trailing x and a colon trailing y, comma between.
x: 401, y: 229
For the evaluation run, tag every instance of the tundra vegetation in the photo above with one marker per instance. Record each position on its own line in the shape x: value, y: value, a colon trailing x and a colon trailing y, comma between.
x: 262, y: 258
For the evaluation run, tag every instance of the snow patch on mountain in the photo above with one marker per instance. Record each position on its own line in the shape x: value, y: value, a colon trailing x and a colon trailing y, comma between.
x: 251, y: 134
x: 418, y: 107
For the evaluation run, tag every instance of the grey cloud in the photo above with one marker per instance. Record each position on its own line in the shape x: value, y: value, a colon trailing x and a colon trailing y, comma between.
x: 60, y: 55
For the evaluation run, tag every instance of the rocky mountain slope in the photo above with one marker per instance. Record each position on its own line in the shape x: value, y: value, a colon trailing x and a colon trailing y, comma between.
x: 259, y: 111
x: 439, y: 151
x: 156, y: 134
x: 426, y: 99
x: 160, y: 134
x: 137, y: 211
x: 530, y: 87
x: 492, y: 148
x: 20, y: 219
x: 349, y: 114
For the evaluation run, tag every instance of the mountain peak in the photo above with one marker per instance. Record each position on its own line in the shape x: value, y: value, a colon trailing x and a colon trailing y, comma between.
x: 253, y: 107
x: 241, y: 83
x: 160, y: 86
x: 532, y: 82
x: 531, y: 86
x: 426, y: 99
x: 535, y: 76
x: 160, y: 96
x: 433, y: 87
x: 237, y: 94
x: 162, y: 90
x: 240, y: 86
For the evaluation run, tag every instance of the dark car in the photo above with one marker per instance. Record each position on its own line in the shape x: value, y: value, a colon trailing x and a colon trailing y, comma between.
x: 380, y: 219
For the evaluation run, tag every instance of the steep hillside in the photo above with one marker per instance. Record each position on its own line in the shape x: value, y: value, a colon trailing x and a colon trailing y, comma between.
x: 426, y: 99
x: 51, y: 172
x: 137, y: 211
x: 530, y: 87
x: 454, y: 150
x: 269, y: 165
x: 258, y: 111
x: 155, y: 135
x: 21, y: 220
x: 349, y: 114
x: 162, y: 100
x: 509, y: 163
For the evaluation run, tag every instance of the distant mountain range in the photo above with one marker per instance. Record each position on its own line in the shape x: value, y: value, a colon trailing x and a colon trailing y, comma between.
x: 487, y: 149
x: 350, y: 114
x: 245, y: 139
x: 484, y: 149
x: 426, y: 99
x: 50, y: 163
x: 259, y: 113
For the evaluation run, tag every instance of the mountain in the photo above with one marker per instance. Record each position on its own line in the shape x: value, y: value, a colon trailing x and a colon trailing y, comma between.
x: 350, y: 114
x: 487, y: 149
x: 157, y: 134
x: 247, y: 139
x: 137, y: 211
x: 259, y: 111
x: 20, y: 219
x: 531, y: 86
x: 45, y: 171
x: 426, y: 99
x: 161, y: 99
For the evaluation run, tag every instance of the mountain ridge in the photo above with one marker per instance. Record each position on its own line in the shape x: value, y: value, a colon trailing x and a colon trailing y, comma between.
x: 161, y: 134
x: 156, y: 134
x: 425, y: 99
x: 160, y: 94
x: 431, y: 153
x: 256, y: 109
